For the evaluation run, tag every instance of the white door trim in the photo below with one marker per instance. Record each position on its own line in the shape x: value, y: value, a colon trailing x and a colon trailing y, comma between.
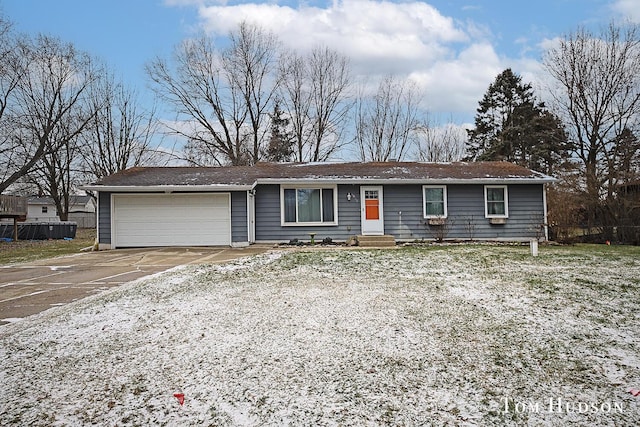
x: 371, y: 227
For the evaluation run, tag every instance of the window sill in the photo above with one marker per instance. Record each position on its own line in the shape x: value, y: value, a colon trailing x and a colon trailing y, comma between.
x: 498, y: 221
x: 309, y: 224
x: 437, y: 221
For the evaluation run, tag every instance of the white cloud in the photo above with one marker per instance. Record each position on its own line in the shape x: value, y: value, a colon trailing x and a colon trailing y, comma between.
x: 629, y: 9
x: 456, y: 85
x: 451, y: 60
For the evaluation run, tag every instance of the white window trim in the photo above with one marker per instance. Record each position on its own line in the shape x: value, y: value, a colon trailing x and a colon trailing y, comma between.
x: 506, y: 202
x: 309, y: 186
x: 424, y: 201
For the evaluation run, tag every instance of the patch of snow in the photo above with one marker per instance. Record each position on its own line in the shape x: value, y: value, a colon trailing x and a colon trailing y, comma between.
x: 414, y: 336
x: 59, y: 267
x: 397, y: 169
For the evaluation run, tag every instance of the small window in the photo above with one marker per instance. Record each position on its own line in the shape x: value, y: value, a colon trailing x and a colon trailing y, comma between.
x: 44, y: 209
x: 435, y: 201
x: 496, y: 201
x: 308, y: 206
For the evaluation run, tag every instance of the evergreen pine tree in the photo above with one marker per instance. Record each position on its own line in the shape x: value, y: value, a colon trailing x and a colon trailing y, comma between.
x: 280, y: 148
x: 511, y: 126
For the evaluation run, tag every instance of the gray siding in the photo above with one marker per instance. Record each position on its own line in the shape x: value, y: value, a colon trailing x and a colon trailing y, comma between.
x: 402, y: 211
x: 268, y: 223
x: 403, y: 214
x: 526, y: 213
x: 404, y: 218
x: 104, y: 217
x: 239, y: 230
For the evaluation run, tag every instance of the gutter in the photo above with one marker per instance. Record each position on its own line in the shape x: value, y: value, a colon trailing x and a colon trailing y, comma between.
x: 166, y: 188
x: 382, y: 181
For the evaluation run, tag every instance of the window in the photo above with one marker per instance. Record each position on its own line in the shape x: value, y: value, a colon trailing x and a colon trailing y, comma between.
x: 496, y: 202
x: 44, y: 209
x: 309, y: 205
x: 435, y: 201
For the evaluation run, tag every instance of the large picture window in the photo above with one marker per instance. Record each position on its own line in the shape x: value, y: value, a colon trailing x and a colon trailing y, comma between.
x: 496, y: 201
x: 309, y: 206
x: 434, y: 201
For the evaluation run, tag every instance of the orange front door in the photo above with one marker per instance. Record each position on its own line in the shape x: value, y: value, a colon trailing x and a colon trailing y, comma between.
x: 371, y: 205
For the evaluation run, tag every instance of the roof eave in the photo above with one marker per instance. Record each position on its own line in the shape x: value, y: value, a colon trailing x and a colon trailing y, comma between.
x: 380, y: 181
x: 166, y: 188
x: 313, y: 180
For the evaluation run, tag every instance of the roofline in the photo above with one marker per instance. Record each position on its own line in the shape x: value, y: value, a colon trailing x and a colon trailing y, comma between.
x: 306, y: 181
x: 378, y: 181
x: 166, y: 188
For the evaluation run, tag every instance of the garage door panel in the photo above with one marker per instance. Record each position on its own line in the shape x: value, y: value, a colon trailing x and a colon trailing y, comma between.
x: 171, y: 220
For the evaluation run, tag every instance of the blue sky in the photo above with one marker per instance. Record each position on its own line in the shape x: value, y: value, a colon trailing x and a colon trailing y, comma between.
x: 452, y: 49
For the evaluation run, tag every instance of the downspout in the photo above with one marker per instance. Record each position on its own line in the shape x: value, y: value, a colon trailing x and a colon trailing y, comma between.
x: 251, y: 214
x: 544, y: 205
x: 96, y: 244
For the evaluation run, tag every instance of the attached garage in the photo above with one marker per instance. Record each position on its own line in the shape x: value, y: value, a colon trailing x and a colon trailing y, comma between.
x: 174, y: 219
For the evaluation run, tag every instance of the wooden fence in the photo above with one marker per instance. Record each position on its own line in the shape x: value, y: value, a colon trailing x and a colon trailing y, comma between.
x: 13, y: 206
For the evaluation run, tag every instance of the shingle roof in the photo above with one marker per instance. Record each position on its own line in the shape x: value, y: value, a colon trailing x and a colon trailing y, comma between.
x: 73, y: 200
x: 274, y: 172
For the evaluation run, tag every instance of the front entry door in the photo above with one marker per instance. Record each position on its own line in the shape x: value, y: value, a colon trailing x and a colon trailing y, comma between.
x: 371, y: 207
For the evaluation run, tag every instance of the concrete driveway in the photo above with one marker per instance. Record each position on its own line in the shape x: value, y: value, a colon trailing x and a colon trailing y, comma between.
x: 30, y: 288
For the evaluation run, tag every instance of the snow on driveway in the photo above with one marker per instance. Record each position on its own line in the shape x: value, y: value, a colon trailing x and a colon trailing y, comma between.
x: 458, y: 335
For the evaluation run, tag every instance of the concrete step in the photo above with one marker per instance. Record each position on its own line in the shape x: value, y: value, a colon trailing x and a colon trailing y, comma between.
x: 376, y: 241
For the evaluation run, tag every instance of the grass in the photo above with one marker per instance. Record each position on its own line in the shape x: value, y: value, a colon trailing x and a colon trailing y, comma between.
x: 434, y: 335
x: 31, y: 250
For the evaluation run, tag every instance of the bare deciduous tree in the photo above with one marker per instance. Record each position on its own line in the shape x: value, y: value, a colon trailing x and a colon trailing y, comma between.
x: 49, y: 109
x: 330, y: 82
x: 18, y: 154
x: 597, y: 93
x: 224, y: 97
x: 386, y: 123
x: 55, y: 112
x: 296, y: 100
x: 56, y: 173
x: 193, y: 85
x: 120, y: 134
x: 315, y: 94
x: 441, y: 143
x: 251, y: 64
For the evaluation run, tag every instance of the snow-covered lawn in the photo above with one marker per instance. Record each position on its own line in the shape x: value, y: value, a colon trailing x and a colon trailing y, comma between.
x: 440, y: 335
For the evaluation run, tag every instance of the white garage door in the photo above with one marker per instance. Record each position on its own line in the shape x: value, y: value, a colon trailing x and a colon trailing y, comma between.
x: 171, y: 220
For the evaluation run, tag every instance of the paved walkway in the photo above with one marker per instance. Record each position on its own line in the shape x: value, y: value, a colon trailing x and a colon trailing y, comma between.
x: 30, y: 288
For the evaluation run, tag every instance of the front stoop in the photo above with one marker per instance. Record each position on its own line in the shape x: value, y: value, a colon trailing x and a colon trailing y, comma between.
x: 376, y: 241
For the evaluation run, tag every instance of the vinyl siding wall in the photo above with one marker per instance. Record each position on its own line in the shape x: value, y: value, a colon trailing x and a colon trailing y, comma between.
x: 269, y: 228
x: 104, y: 218
x: 403, y: 214
x: 239, y: 227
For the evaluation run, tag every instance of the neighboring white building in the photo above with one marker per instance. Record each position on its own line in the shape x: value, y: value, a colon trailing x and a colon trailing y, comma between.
x: 82, y: 209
